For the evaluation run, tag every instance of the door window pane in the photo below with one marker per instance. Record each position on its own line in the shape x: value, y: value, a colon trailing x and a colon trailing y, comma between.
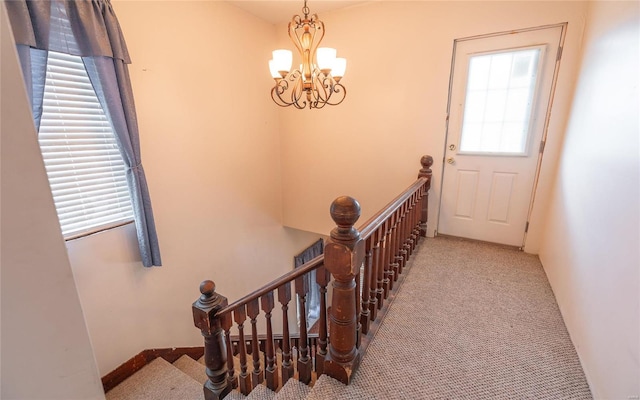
x: 498, y: 102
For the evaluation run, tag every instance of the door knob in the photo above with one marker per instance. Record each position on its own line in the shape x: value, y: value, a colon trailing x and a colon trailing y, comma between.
x: 452, y: 147
x: 450, y: 160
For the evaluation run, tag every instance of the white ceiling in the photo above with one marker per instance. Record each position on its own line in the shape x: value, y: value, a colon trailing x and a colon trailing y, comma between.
x: 283, y: 10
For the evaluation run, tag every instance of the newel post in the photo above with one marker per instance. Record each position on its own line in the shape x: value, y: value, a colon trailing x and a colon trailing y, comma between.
x: 215, y: 351
x: 425, y: 172
x: 343, y: 256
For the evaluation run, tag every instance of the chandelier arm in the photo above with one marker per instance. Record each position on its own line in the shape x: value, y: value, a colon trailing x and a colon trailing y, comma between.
x: 277, y: 91
x: 340, y: 91
x: 318, y: 34
x: 295, y: 24
x: 322, y: 83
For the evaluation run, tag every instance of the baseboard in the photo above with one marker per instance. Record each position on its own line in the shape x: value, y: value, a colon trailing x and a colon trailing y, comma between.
x: 135, y: 363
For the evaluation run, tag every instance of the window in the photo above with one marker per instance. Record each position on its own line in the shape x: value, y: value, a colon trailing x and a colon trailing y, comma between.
x: 499, y: 101
x: 313, y: 296
x: 84, y: 165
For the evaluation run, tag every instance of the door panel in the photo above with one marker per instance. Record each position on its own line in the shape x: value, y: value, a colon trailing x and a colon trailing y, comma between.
x: 500, y: 91
x: 466, y: 196
x: 501, y: 193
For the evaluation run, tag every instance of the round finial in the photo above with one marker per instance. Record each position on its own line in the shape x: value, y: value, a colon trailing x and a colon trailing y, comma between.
x: 425, y: 171
x: 345, y: 211
x: 207, y: 288
x: 426, y: 161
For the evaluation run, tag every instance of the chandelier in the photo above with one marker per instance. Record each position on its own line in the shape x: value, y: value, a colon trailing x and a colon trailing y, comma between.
x: 317, y: 82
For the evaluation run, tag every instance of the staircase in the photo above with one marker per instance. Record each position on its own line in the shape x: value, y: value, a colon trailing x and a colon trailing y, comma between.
x: 183, y: 380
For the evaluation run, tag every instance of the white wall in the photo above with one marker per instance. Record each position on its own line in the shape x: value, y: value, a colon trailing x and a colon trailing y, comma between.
x: 590, y: 248
x: 46, y: 351
x: 211, y: 150
x: 399, y: 60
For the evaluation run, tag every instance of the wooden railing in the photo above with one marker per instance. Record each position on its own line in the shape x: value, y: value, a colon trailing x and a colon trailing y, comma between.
x: 363, y: 266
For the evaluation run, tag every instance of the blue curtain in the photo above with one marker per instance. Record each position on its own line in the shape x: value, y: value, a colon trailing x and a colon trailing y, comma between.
x: 89, y: 28
x: 110, y: 78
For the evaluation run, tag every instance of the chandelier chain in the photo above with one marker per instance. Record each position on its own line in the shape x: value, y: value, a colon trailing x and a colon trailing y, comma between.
x: 305, y: 9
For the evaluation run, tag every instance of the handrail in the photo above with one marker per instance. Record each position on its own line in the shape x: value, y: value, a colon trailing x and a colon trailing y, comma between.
x: 273, y: 285
x: 365, y: 230
x: 378, y: 219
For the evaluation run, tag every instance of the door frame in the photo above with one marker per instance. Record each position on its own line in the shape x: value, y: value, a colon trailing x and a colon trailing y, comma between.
x: 547, y: 114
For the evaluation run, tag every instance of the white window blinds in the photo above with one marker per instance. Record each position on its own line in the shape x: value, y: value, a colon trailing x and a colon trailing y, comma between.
x: 81, y: 156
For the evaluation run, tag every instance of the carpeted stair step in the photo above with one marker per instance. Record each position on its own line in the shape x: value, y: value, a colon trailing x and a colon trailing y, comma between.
x: 261, y: 392
x: 192, y: 368
x: 293, y: 390
x: 235, y: 395
x: 158, y: 380
x: 328, y: 388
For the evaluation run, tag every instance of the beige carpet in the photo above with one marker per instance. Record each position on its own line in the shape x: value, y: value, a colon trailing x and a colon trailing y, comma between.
x: 472, y: 321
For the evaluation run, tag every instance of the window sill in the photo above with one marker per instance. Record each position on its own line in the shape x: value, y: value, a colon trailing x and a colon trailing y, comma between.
x: 97, y: 230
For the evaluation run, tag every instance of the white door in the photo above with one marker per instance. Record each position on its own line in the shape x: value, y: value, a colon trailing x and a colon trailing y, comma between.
x: 501, y: 87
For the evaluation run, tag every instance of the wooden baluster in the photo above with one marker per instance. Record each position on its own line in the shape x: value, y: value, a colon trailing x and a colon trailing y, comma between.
x: 380, y: 268
x: 227, y: 322
x: 215, y: 353
x: 425, y: 172
x: 322, y: 278
x: 376, y: 286
x: 414, y: 224
x: 406, y: 245
x: 401, y: 235
x: 407, y: 229
x: 366, y: 291
x: 284, y: 297
x: 392, y: 246
x: 271, y: 369
x: 395, y: 259
x: 388, y: 274
x: 240, y: 315
x: 384, y: 259
x: 398, y: 258
x: 410, y: 242
x: 343, y: 255
x: 393, y: 267
x: 358, y: 304
x: 416, y: 215
x: 416, y: 212
x: 413, y: 237
x: 411, y: 225
x: 253, y: 310
x: 304, y: 361
x: 413, y: 229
